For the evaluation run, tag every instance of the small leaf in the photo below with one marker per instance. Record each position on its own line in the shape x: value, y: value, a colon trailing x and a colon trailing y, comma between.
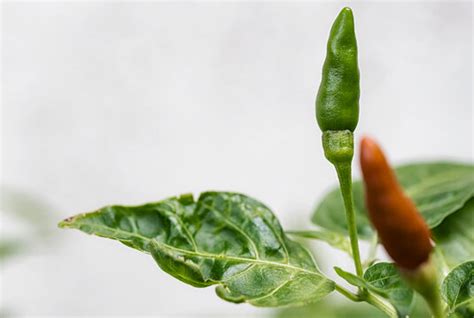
x: 458, y: 287
x: 334, y: 239
x: 223, y: 239
x: 354, y: 280
x: 437, y: 188
x: 455, y: 236
x: 386, y: 278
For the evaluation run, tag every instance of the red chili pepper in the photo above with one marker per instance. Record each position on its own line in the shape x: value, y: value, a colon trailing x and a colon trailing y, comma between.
x: 401, y: 229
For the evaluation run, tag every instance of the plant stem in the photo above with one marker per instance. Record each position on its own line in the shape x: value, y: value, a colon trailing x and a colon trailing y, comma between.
x: 381, y: 304
x: 347, y: 293
x: 424, y: 280
x: 370, y: 298
x: 437, y: 309
x: 344, y: 174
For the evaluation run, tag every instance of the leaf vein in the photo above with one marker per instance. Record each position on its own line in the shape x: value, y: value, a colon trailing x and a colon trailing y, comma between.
x: 203, y: 254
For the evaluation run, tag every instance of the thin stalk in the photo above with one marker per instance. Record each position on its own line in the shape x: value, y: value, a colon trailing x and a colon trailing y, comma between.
x: 381, y: 304
x: 345, y: 183
x: 424, y: 280
x: 433, y: 299
x: 370, y: 298
x: 437, y: 309
x: 436, y: 306
x: 347, y: 293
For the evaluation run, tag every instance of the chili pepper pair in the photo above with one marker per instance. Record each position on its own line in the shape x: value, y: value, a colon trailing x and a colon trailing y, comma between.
x: 401, y: 229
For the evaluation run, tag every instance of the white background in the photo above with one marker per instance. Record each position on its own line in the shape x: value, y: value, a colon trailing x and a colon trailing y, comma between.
x: 128, y: 103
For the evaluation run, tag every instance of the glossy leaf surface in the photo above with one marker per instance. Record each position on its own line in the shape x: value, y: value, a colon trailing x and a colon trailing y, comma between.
x: 223, y: 239
x: 386, y: 278
x: 437, y: 188
x: 455, y: 236
x: 458, y: 287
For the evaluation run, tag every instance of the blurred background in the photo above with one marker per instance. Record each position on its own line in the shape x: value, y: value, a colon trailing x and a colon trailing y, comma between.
x: 125, y: 103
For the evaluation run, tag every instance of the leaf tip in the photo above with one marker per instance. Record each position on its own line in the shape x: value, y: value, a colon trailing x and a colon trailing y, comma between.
x: 67, y: 223
x: 338, y: 270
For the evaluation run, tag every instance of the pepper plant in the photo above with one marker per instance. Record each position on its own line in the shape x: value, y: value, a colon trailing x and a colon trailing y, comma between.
x: 421, y: 213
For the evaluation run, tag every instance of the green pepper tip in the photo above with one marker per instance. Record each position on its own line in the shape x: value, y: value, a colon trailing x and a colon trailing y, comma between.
x: 347, y: 10
x: 345, y: 15
x: 344, y: 22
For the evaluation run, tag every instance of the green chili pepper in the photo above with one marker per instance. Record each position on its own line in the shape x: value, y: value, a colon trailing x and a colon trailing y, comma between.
x: 337, y: 112
x: 337, y: 102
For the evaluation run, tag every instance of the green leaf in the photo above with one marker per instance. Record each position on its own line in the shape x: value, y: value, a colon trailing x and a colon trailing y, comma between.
x: 386, y: 278
x: 458, y: 287
x: 354, y: 280
x: 223, y: 239
x: 437, y: 188
x: 455, y: 236
x: 465, y: 311
x: 334, y: 239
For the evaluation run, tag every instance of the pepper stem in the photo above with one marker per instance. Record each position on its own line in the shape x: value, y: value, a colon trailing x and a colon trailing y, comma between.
x: 370, y: 298
x: 344, y: 174
x: 381, y: 304
x: 338, y: 148
x: 425, y: 281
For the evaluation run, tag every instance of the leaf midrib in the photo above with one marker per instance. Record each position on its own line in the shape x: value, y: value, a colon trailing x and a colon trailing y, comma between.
x: 250, y: 240
x: 458, y: 292
x: 383, y: 278
x: 196, y: 253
